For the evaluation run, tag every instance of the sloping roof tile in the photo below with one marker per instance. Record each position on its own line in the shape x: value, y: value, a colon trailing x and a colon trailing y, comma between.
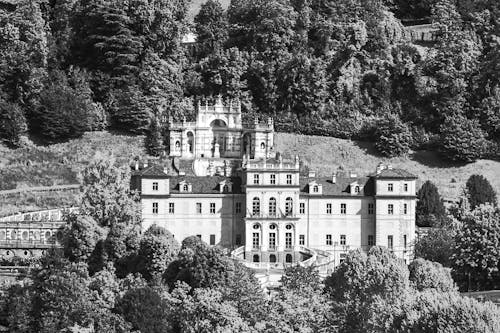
x: 204, y: 185
x: 395, y: 173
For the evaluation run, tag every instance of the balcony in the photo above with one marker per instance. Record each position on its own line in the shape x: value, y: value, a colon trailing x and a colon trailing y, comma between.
x: 272, y: 216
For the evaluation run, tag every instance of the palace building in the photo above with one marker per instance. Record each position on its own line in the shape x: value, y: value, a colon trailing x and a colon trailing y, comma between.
x: 225, y: 184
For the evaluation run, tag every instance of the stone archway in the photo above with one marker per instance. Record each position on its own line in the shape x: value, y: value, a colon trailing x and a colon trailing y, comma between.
x: 219, y: 130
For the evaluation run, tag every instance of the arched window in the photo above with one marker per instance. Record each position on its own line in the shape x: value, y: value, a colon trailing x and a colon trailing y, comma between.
x: 256, y: 258
x: 272, y: 258
x: 177, y: 146
x: 272, y: 207
x: 190, y: 140
x: 262, y: 146
x: 256, y: 206
x: 356, y: 189
x: 288, y: 206
x: 288, y: 258
x: 185, y: 188
x: 315, y: 189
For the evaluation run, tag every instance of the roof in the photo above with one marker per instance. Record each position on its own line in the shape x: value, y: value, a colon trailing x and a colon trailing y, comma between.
x: 204, y: 185
x: 154, y: 170
x: 341, y: 186
x: 395, y: 174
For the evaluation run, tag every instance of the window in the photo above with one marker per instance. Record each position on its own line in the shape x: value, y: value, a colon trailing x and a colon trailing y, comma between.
x: 390, y: 187
x: 273, y: 180
x: 343, y: 208
x: 405, y: 209
x: 302, y: 239
x: 198, y: 207
x: 371, y: 240
x: 390, y: 209
x: 342, y: 258
x: 272, y: 241
x: 288, y: 206
x: 155, y: 208
x: 262, y: 146
x: 225, y: 189
x: 199, y: 236
x: 272, y: 207
x: 328, y: 208
x: 288, y: 258
x: 370, y: 208
x: 342, y: 240
x: 256, y: 206
x: 238, y: 239
x: 390, y: 241
x: 185, y: 188
x: 272, y: 258
x: 289, y: 179
x: 315, y: 188
x: 404, y: 241
x: 171, y: 208
x: 356, y: 189
x: 212, y: 239
x: 288, y: 240
x: 255, y: 240
x: 256, y: 258
x: 405, y: 187
x: 302, y: 208
x: 329, y: 240
x: 212, y: 208
x: 256, y: 179
x: 155, y: 186
x: 238, y: 208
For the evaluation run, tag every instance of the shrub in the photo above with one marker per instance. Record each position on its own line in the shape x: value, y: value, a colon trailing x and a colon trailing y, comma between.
x: 480, y: 191
x: 12, y: 123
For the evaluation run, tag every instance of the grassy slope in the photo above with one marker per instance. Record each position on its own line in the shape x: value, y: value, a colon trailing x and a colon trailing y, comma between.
x: 196, y: 4
x: 59, y: 164
x: 326, y: 154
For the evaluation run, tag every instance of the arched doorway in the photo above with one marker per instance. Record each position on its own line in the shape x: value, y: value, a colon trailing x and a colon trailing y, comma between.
x: 219, y: 130
x: 190, y: 142
x: 247, y: 145
x: 272, y: 258
x: 256, y: 258
x: 288, y: 258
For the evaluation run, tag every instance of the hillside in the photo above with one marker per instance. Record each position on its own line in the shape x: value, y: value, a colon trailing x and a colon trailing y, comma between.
x: 325, y: 155
x: 196, y: 4
x: 59, y: 164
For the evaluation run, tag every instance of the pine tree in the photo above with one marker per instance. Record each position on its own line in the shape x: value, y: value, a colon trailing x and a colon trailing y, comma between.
x: 462, y: 139
x: 154, y: 138
x: 480, y: 191
x: 211, y: 27
x: 12, y: 123
x: 430, y: 207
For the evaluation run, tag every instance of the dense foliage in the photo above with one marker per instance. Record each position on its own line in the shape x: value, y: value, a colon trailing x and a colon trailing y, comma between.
x: 344, y: 68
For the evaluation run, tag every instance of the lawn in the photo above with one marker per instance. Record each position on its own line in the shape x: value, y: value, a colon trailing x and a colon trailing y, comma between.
x: 324, y: 155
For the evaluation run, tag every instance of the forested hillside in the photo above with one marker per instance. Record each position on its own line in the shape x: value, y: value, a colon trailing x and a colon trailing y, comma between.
x: 341, y: 68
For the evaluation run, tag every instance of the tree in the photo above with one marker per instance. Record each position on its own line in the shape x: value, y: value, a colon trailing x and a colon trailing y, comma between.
x: 130, y: 110
x: 426, y: 274
x: 12, y: 123
x: 211, y: 27
x: 154, y: 139
x: 430, y: 208
x: 392, y: 137
x: 479, y: 191
x: 476, y: 254
x: 299, y: 279
x: 80, y: 237
x: 106, y: 193
x: 157, y: 250
x: 462, y: 139
x: 437, y: 245
x: 440, y: 312
x: 360, y: 281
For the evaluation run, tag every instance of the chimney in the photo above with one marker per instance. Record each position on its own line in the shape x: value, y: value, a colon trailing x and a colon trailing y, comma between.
x: 334, y: 178
x: 165, y: 170
x: 136, y: 165
x: 312, y: 174
x: 145, y: 164
x: 389, y: 167
x: 353, y: 174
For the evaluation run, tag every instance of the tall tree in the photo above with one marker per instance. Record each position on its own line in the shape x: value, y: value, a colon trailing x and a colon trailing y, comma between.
x: 479, y: 191
x: 80, y: 237
x: 476, y: 254
x: 211, y: 28
x: 462, y: 139
x: 154, y: 139
x: 12, y: 123
x: 426, y: 274
x: 430, y: 208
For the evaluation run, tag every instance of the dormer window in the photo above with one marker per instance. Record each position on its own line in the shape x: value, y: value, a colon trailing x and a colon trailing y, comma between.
x: 356, y: 189
x: 225, y: 187
x: 315, y: 189
x: 185, y: 187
